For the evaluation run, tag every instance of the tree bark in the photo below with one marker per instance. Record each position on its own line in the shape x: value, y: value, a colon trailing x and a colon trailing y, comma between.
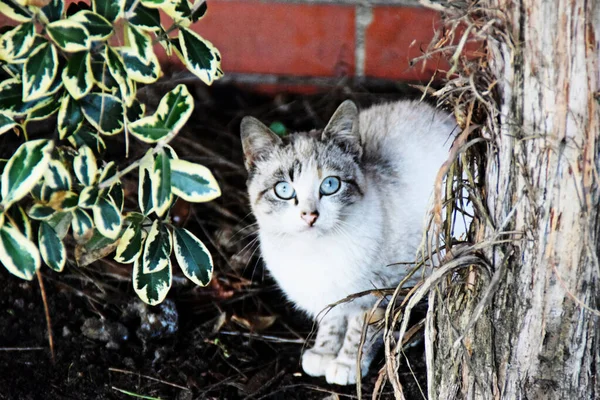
x: 538, y: 337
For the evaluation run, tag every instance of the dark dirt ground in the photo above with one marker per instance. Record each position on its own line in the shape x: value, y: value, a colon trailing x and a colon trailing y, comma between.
x: 238, y: 338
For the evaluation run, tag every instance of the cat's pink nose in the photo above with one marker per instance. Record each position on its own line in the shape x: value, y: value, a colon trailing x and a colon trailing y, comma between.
x: 310, y: 217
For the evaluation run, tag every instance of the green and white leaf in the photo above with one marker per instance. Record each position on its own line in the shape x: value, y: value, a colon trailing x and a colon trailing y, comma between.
x: 200, y: 56
x: 16, y: 42
x: 88, y: 197
x: 85, y: 166
x: 98, y: 27
x: 103, y: 78
x: 60, y: 222
x: 18, y: 218
x: 11, y: 99
x: 180, y: 11
x: 157, y: 248
x: 15, y: 11
x: 119, y: 73
x: 109, y: 9
x: 160, y: 4
x: 145, y: 183
x: 41, y: 212
x: 82, y: 224
x: 171, y: 115
x: 130, y: 245
x: 77, y: 76
x: 39, y: 72
x: 53, y: 10
x: 117, y: 195
x: 162, y: 196
x: 193, y: 257
x: 152, y: 288
x: 18, y: 254
x: 63, y: 200
x: 44, y: 111
x: 107, y: 218
x: 104, y: 112
x: 51, y: 247
x: 140, y: 70
x: 24, y: 169
x: 193, y: 182
x: 199, y: 10
x: 143, y: 17
x: 69, y: 35
x: 70, y: 117
x: 57, y: 176
x: 86, y: 136
x: 6, y: 123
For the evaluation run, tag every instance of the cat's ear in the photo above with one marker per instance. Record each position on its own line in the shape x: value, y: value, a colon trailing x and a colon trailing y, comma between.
x: 343, y: 128
x: 257, y: 140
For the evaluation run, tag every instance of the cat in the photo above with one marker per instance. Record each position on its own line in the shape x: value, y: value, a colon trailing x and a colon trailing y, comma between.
x: 336, y: 207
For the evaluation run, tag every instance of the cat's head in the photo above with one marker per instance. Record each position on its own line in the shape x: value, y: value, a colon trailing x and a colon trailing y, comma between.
x: 308, y: 182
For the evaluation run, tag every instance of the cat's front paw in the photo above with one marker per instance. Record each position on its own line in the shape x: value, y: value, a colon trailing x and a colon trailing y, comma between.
x: 316, y: 364
x: 342, y: 373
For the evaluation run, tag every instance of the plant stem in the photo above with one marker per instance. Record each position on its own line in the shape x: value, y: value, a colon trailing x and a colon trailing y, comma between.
x: 128, y: 169
x: 47, y: 312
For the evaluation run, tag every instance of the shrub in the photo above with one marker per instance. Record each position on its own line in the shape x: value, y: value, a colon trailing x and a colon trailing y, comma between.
x: 67, y: 66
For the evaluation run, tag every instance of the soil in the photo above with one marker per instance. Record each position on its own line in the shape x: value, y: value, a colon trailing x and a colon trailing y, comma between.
x: 237, y: 338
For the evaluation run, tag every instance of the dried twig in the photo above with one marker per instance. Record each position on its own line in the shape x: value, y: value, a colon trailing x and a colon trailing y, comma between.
x: 47, y: 312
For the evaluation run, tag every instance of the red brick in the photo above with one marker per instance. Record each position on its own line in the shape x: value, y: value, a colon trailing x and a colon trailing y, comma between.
x: 395, y: 36
x: 277, y: 38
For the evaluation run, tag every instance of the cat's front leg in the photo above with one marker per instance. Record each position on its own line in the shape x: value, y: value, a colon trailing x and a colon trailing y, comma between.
x: 330, y: 337
x: 342, y: 370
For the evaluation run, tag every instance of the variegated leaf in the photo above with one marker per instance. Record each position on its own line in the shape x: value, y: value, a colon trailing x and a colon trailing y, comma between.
x: 70, y: 117
x: 156, y: 3
x: 88, y: 197
x: 193, y: 257
x: 98, y: 27
x: 104, y: 112
x: 140, y: 70
x: 143, y: 17
x: 19, y: 219
x: 6, y: 123
x: 199, y: 10
x: 107, y: 218
x: 15, y: 11
x: 11, y: 103
x: 119, y: 73
x: 162, y: 197
x: 60, y: 222
x: 57, y: 176
x: 145, y: 183
x: 51, y: 247
x: 117, y: 195
x: 157, y: 248
x: 180, y: 11
x: 63, y: 200
x: 16, y: 42
x: 171, y: 115
x: 85, y: 167
x: 77, y: 76
x: 53, y: 10
x: 39, y: 72
x: 87, y: 136
x: 18, y: 254
x: 24, y: 169
x: 193, y: 182
x: 44, y: 111
x: 200, y: 56
x: 109, y: 9
x: 152, y: 288
x: 41, y: 212
x: 130, y: 245
x: 69, y: 35
x: 82, y: 224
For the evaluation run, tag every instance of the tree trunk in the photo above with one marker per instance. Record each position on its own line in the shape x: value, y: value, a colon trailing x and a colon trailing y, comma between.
x: 538, y: 337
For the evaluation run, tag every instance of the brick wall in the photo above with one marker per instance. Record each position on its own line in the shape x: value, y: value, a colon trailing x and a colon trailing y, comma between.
x: 320, y: 40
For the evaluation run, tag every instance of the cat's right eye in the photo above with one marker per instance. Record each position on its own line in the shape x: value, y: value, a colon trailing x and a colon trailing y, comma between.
x: 284, y: 190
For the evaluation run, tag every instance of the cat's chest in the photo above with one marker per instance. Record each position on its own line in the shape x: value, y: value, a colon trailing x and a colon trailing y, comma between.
x: 315, y: 273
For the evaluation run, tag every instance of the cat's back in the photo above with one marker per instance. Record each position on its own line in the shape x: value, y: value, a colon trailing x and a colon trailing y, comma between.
x: 406, y: 132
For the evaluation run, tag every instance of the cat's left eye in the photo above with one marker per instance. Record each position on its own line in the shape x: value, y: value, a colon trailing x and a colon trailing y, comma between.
x: 330, y: 185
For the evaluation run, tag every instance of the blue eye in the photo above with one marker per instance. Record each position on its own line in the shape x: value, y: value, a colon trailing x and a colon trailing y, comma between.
x: 330, y: 185
x: 284, y: 190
